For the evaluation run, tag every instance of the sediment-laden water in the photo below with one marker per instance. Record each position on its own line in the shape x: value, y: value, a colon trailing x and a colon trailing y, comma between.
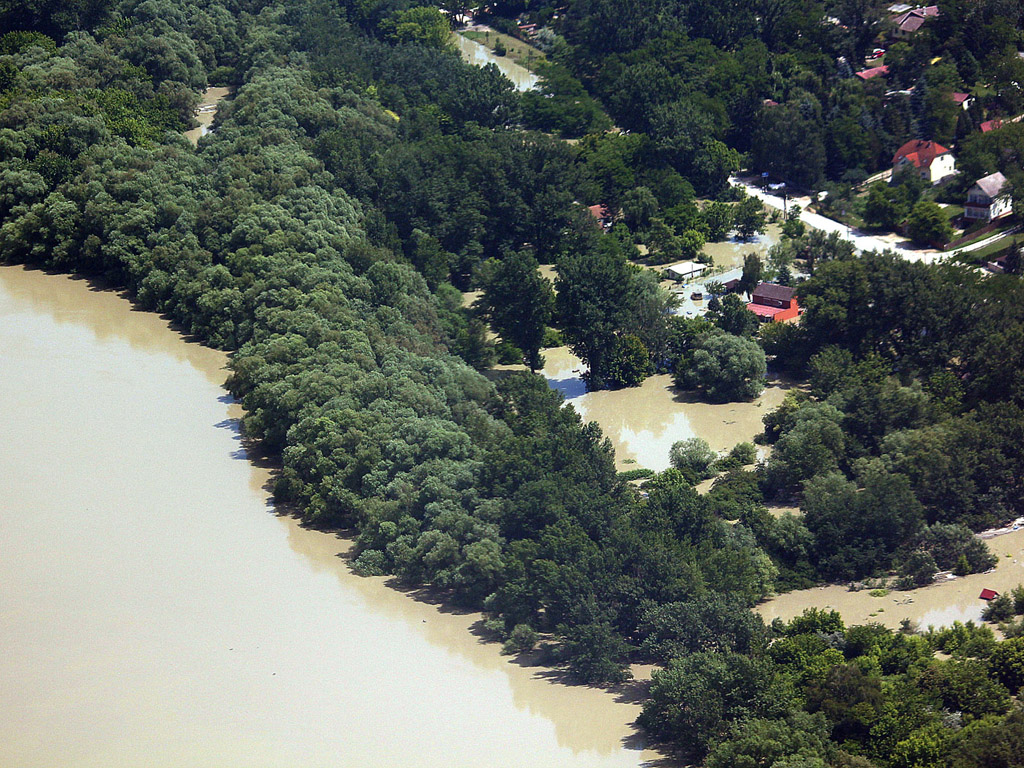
x: 156, y: 611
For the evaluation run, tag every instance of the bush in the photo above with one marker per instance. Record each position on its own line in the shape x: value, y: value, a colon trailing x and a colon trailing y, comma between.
x: 1018, y: 598
x: 725, y: 368
x: 523, y: 639
x: 745, y: 453
x: 636, y: 474
x: 920, y: 567
x: 508, y: 354
x: 693, y: 456
x: 552, y: 338
x: 999, y: 609
x: 372, y: 562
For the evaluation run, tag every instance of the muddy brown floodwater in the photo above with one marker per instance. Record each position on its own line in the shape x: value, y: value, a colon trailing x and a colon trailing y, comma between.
x: 155, y: 611
x: 643, y: 422
x: 730, y: 253
x: 480, y: 56
x: 206, y: 112
x: 937, y: 605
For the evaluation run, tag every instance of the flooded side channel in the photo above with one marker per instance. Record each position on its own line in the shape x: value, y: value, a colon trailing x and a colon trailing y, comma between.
x: 206, y: 112
x: 480, y: 56
x: 155, y: 611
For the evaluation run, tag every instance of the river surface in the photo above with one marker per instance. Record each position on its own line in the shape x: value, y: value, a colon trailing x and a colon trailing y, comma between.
x: 156, y: 611
x: 479, y: 55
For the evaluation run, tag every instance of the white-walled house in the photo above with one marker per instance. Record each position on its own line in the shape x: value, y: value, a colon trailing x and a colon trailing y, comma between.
x: 989, y: 198
x: 931, y: 161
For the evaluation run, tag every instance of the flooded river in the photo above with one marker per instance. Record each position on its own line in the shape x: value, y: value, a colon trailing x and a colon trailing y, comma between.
x: 643, y: 422
x: 480, y: 56
x: 155, y: 611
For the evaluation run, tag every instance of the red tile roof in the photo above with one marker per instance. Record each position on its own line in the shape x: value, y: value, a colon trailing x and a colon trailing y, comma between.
x: 867, y: 74
x: 919, y: 153
x: 988, y: 594
x: 762, y: 310
x: 960, y: 98
x: 991, y: 125
x: 599, y: 212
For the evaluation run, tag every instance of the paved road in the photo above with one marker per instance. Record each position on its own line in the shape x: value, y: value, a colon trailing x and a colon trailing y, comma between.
x: 860, y: 241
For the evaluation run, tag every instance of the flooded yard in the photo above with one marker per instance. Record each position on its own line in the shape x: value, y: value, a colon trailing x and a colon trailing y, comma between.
x: 643, y: 422
x: 729, y: 254
x: 936, y: 605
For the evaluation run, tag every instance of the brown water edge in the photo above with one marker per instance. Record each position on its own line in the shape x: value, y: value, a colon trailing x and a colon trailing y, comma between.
x: 207, y: 112
x: 729, y: 254
x: 157, y: 611
x: 643, y: 422
x: 936, y: 605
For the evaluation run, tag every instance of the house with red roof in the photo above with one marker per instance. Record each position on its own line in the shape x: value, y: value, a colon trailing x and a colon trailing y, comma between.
x: 773, y: 303
x: 964, y: 100
x: 991, y: 125
x: 988, y: 594
x: 867, y: 74
x: 602, y: 215
x: 930, y: 160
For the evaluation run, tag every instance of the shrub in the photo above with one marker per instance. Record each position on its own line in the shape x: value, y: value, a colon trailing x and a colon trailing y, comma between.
x: 523, y: 638
x: 999, y: 609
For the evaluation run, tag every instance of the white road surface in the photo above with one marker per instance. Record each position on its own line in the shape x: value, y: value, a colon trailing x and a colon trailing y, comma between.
x: 862, y: 242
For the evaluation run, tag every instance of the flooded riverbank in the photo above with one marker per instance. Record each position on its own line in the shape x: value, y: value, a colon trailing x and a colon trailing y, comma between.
x: 156, y: 611
x: 206, y: 112
x: 480, y: 56
x: 936, y: 605
x: 643, y: 422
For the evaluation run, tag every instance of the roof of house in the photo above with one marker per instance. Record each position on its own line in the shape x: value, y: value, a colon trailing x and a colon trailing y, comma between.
x: 599, y: 212
x: 988, y: 594
x: 960, y: 98
x: 867, y: 74
x: 991, y: 125
x: 912, y: 23
x: 774, y: 291
x: 919, y: 152
x: 992, y: 184
x: 911, y: 20
x: 762, y: 310
x: 686, y: 268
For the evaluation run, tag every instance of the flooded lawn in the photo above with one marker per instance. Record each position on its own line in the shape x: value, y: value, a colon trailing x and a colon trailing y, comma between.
x: 643, y: 422
x: 157, y: 612
x: 936, y: 605
x: 206, y: 112
x: 729, y: 254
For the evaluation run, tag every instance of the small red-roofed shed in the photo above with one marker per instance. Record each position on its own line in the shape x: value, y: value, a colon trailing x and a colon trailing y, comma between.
x: 988, y: 594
